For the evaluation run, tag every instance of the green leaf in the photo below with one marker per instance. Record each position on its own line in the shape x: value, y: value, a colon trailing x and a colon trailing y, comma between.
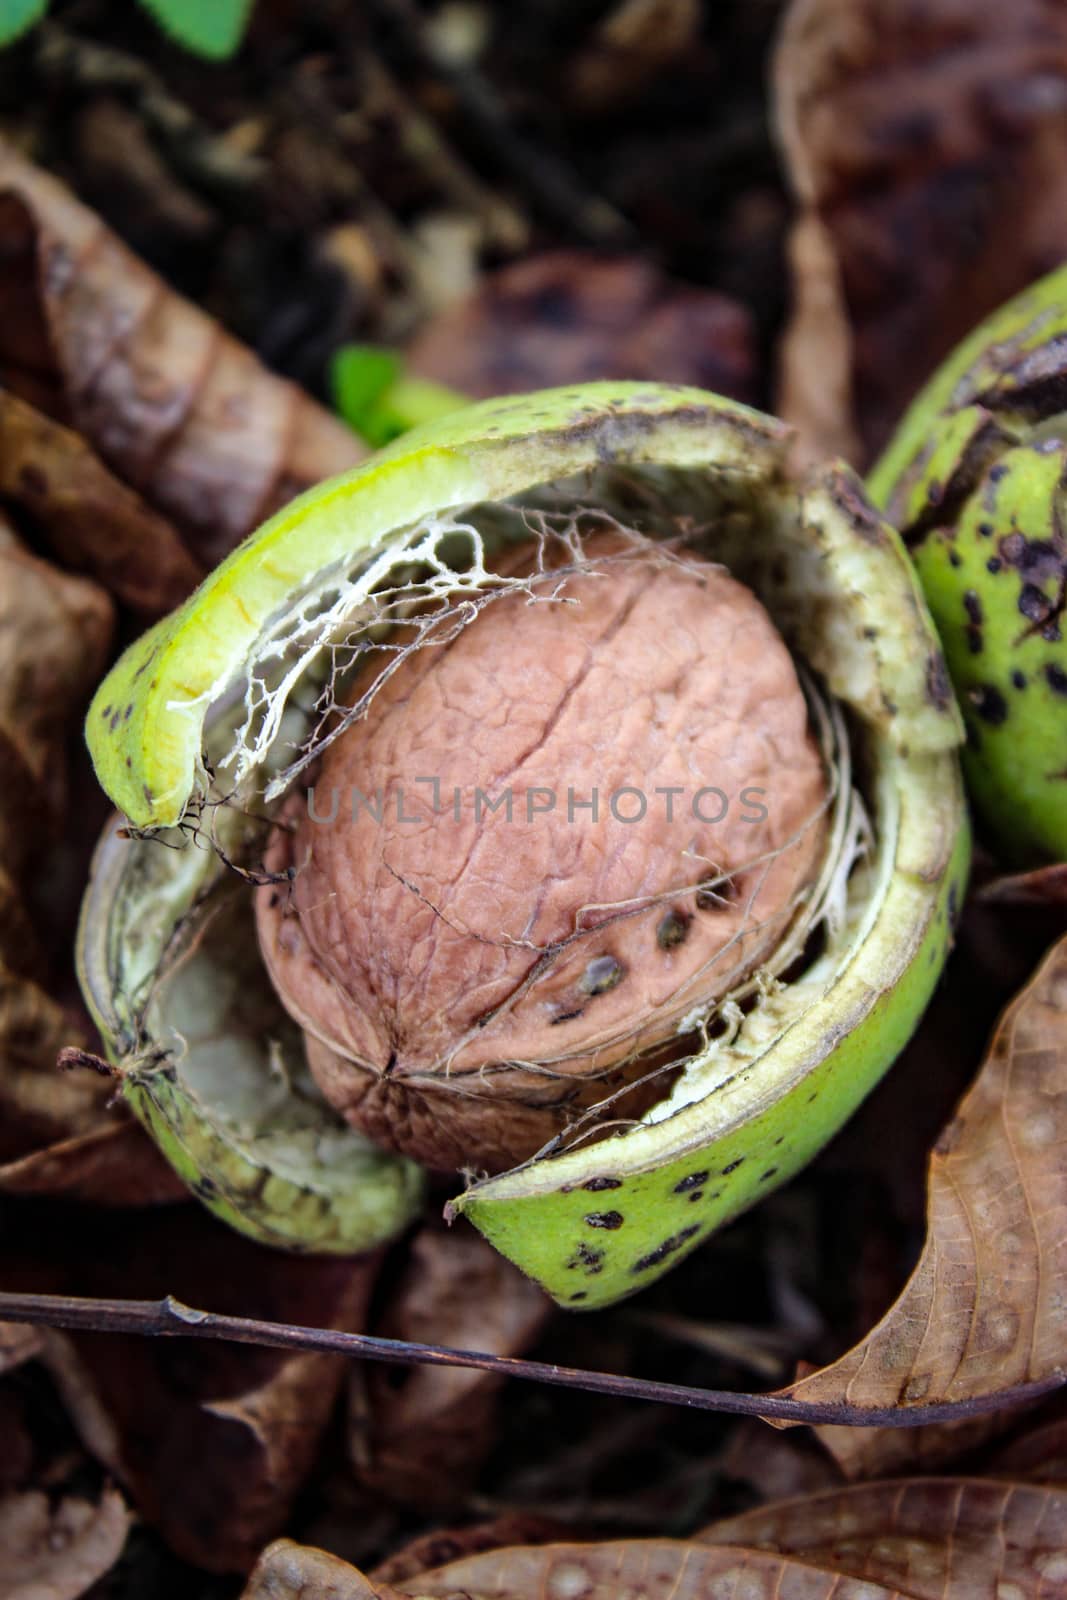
x: 212, y: 28
x: 360, y: 376
x: 16, y: 16
x: 374, y: 397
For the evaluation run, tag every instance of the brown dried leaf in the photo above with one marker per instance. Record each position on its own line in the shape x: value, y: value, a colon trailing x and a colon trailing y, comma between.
x: 638, y: 1569
x: 774, y: 1465
x: 929, y: 1538
x: 38, y: 1103
x: 91, y: 521
x: 113, y: 1165
x: 18, y: 1343
x: 986, y: 1307
x: 927, y: 144
x: 909, y: 1539
x: 443, y: 1545
x: 57, y: 1552
x: 878, y: 1452
x: 184, y: 413
x: 288, y: 1571
x: 1038, y: 1455
x: 422, y: 1439
x: 55, y: 631
x: 213, y: 1441
x: 1044, y: 886
x: 565, y: 317
x: 89, y: 1419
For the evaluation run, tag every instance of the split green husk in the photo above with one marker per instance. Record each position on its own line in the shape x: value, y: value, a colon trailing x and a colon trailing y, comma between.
x: 206, y: 721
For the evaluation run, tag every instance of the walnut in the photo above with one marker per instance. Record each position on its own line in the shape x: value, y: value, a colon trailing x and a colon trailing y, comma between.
x: 629, y: 808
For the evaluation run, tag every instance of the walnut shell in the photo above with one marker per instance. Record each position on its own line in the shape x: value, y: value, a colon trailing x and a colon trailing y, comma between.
x: 470, y: 980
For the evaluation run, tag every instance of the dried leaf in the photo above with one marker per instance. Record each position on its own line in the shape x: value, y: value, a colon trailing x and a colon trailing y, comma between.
x: 637, y: 1569
x: 288, y: 1571
x: 179, y: 409
x: 815, y: 378
x: 878, y: 1452
x: 927, y: 1538
x: 18, y: 1343
x: 986, y: 1307
x: 1041, y: 1456
x: 91, y: 521
x: 909, y: 1539
x: 774, y: 1465
x: 213, y: 1441
x: 921, y: 139
x: 564, y: 317
x: 1044, y: 886
x: 1037, y: 1455
x: 38, y: 1103
x: 58, y: 1551
x: 90, y: 1421
x: 113, y: 1165
x: 422, y: 1439
x: 443, y: 1545
x: 55, y: 630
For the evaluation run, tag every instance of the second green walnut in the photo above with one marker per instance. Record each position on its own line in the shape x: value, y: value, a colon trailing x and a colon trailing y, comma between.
x: 546, y: 1009
x: 976, y: 480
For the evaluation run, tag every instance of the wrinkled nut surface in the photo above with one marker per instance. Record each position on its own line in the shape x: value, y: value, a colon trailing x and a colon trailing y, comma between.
x: 469, y: 980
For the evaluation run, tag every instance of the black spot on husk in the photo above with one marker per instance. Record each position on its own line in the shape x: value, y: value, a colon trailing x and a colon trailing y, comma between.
x: 667, y: 1248
x: 989, y: 703
x: 692, y: 1181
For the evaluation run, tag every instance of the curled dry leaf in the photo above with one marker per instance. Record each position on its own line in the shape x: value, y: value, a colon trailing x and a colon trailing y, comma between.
x: 436, y: 1549
x: 55, y: 630
x: 18, y: 1343
x: 919, y: 139
x: 183, y: 412
x: 1044, y: 886
x: 753, y: 1456
x: 91, y: 521
x: 927, y: 1538
x: 288, y: 1571
x: 38, y: 1104
x: 112, y: 1165
x: 857, y: 1567
x: 58, y: 1550
x: 564, y: 317
x: 986, y: 1308
x: 1039, y: 1453
x: 421, y: 1440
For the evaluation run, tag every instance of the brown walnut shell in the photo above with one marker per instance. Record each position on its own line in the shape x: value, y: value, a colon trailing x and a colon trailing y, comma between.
x: 468, y: 979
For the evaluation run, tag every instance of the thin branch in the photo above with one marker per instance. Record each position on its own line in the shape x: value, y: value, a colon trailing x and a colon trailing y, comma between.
x: 169, y: 1318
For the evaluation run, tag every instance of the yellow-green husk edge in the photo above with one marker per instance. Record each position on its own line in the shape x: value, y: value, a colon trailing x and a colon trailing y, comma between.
x: 600, y: 1221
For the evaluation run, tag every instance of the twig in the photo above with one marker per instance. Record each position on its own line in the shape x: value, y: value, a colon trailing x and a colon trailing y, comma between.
x: 169, y: 1318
